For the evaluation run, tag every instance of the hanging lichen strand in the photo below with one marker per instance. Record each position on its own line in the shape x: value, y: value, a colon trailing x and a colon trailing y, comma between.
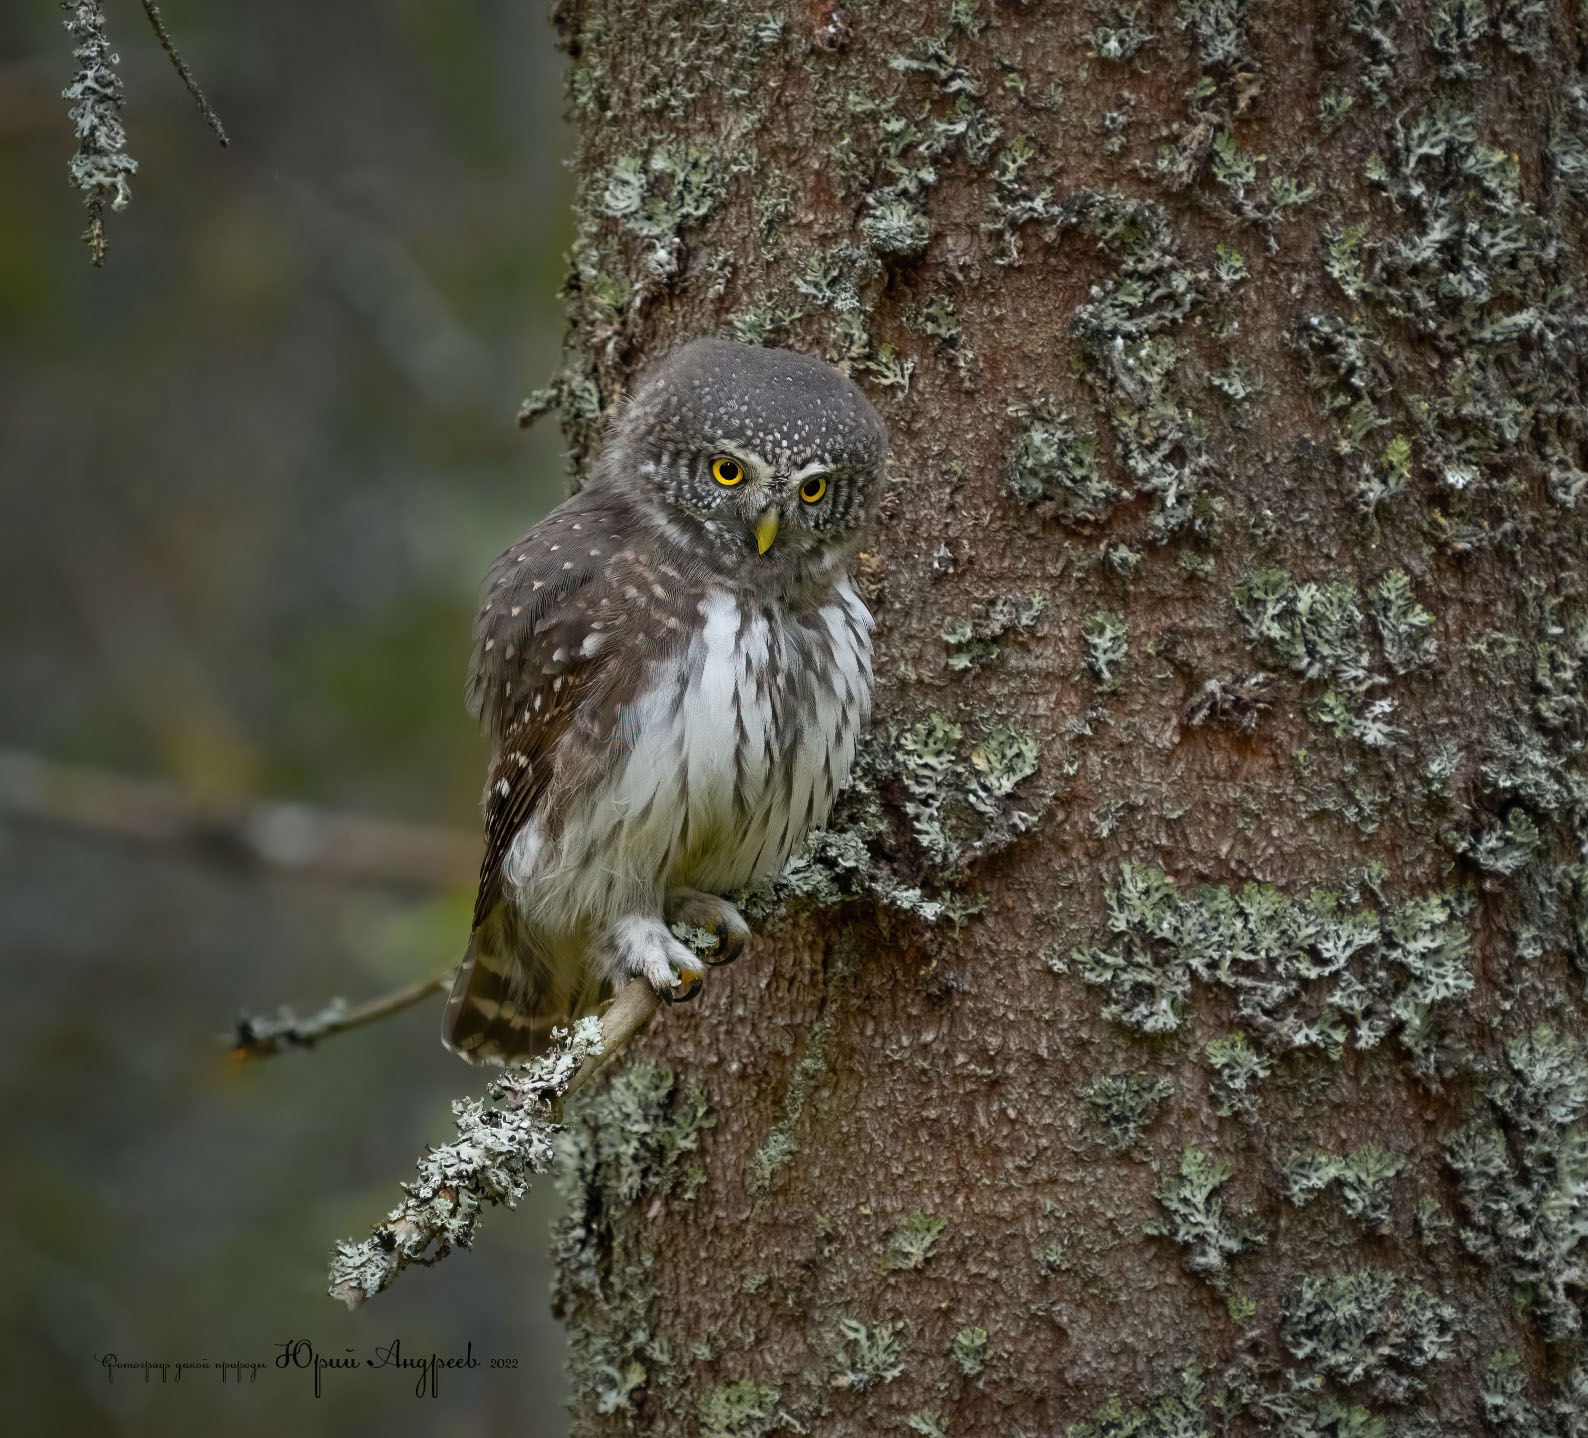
x: 101, y: 168
x: 1199, y: 1047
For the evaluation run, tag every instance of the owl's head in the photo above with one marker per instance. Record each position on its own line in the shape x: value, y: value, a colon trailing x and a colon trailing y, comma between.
x: 765, y: 463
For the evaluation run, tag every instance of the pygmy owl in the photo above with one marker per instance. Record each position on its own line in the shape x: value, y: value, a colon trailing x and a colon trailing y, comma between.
x: 674, y: 669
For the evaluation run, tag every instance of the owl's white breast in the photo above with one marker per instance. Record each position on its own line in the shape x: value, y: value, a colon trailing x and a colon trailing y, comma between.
x: 742, y: 741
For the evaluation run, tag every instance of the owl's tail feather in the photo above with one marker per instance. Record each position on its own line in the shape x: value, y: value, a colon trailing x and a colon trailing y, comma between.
x: 491, y: 1017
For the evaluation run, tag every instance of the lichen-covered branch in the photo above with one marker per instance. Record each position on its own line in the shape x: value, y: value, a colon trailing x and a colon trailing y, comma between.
x: 501, y: 1141
x: 101, y: 168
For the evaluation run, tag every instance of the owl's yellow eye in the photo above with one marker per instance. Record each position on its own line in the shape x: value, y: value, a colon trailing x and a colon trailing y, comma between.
x: 813, y: 488
x: 726, y: 470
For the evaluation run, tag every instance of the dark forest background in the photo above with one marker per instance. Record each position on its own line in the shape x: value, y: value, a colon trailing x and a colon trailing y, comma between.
x: 250, y: 474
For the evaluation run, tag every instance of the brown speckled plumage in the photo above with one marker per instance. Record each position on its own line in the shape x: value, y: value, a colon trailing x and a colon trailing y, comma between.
x: 671, y: 703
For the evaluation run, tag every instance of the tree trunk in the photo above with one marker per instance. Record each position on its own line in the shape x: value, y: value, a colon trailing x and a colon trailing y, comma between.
x: 1180, y: 1029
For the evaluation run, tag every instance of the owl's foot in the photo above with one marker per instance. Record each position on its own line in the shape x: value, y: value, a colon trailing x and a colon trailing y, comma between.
x: 716, y: 916
x: 642, y: 948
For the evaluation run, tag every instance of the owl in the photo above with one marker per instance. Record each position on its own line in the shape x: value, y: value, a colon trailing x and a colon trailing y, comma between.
x: 674, y: 669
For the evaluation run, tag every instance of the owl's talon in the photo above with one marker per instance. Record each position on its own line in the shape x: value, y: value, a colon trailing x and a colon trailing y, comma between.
x: 716, y: 916
x: 730, y: 944
x: 689, y: 983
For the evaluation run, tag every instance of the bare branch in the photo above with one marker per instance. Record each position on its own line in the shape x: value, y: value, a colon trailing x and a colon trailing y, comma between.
x: 279, y: 835
x: 169, y: 46
x: 501, y: 1141
x: 629, y: 1012
x: 263, y: 1037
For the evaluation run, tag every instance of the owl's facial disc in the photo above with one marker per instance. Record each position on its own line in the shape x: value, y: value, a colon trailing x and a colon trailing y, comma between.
x: 763, y: 464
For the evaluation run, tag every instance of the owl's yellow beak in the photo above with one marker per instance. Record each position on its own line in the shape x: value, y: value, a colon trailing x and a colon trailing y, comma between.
x: 766, y: 529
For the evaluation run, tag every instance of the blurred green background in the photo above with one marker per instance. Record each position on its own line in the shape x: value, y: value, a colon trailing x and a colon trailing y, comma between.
x: 250, y: 476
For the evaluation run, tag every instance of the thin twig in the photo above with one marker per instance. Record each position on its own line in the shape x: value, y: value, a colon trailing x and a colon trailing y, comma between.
x: 263, y: 1037
x: 501, y: 1142
x: 169, y: 46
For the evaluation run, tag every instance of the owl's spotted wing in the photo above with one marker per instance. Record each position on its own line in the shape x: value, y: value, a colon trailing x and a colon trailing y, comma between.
x: 538, y: 671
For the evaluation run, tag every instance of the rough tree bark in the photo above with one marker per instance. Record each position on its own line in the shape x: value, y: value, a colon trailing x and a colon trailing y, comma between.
x: 1181, y: 1029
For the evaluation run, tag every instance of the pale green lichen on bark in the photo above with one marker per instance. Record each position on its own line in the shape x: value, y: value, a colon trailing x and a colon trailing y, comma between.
x: 966, y: 803
x: 1128, y: 356
x: 978, y: 638
x: 1219, y: 27
x: 865, y: 1355
x: 1312, y: 629
x: 1363, y: 1176
x: 1107, y: 646
x: 1121, y: 35
x: 781, y: 1144
x: 629, y: 1137
x: 1124, y: 1103
x: 1237, y: 1067
x: 912, y: 1241
x: 1196, y: 1216
x: 963, y: 804
x: 739, y: 1410
x: 1389, y: 968
x: 970, y: 1350
x: 1054, y: 464
x: 1179, y: 1415
x: 1510, y: 330
x: 1527, y: 1206
x: 1364, y: 1326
